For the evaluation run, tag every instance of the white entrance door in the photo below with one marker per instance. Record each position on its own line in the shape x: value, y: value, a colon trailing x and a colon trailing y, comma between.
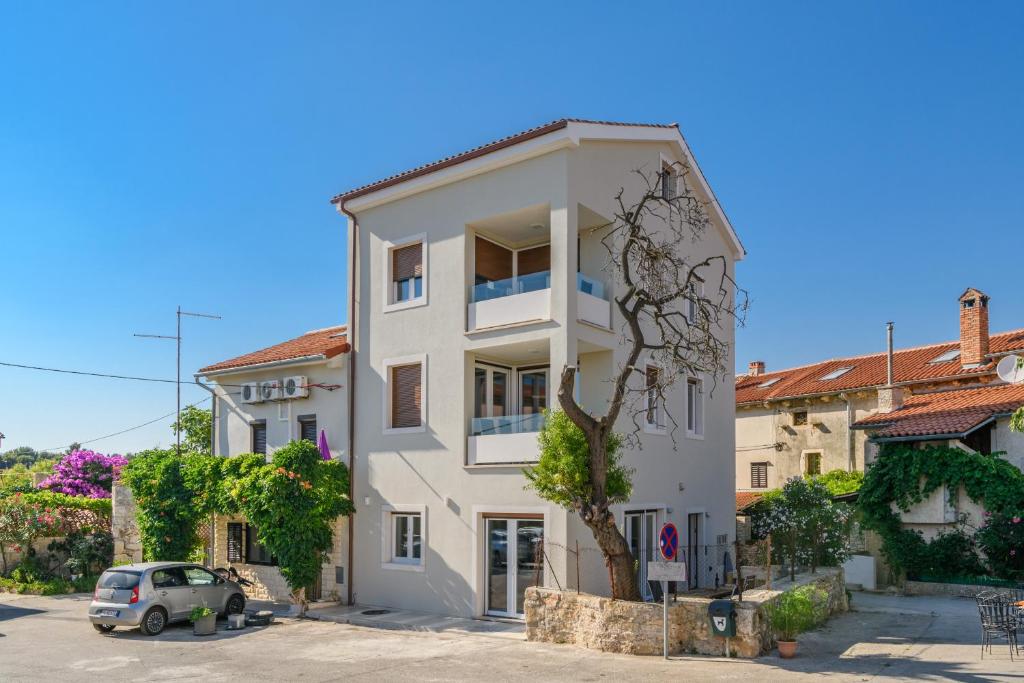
x: 642, y: 542
x: 515, y: 561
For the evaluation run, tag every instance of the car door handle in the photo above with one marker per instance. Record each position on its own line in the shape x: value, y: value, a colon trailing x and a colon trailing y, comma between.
x: 163, y: 592
x: 193, y: 590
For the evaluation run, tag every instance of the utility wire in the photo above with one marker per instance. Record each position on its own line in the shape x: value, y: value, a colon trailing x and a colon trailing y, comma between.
x: 130, y: 429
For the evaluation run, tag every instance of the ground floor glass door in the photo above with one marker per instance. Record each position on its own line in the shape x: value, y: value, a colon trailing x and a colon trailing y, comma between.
x: 640, y: 537
x: 515, y: 561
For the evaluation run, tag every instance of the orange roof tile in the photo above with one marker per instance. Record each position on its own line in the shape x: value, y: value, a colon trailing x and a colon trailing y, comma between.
x: 956, y: 411
x: 325, y: 343
x: 909, y: 365
x: 745, y: 499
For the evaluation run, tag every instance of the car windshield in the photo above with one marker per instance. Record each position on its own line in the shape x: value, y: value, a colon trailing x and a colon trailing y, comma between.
x: 118, y: 580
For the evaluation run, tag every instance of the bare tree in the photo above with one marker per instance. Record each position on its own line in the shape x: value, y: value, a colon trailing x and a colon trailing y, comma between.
x: 676, y: 310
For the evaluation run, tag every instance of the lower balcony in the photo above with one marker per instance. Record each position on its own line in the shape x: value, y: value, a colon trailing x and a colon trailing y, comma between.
x: 506, y: 440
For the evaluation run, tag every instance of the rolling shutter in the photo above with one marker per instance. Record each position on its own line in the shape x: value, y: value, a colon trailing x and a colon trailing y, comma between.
x: 234, y: 541
x: 407, y: 263
x: 406, y: 396
x: 307, y: 428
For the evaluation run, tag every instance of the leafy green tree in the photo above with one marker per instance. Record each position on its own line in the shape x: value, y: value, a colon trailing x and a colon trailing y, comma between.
x: 839, y: 482
x: 196, y: 426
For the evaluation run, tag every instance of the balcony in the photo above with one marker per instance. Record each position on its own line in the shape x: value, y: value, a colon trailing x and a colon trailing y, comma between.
x: 504, y: 440
x: 592, y: 303
x: 509, y: 301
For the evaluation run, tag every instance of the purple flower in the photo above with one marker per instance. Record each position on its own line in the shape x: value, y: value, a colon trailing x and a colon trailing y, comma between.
x: 84, y: 473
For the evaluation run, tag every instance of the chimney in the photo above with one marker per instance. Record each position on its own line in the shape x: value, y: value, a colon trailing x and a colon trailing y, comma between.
x: 973, y: 328
x: 890, y: 398
x: 756, y: 368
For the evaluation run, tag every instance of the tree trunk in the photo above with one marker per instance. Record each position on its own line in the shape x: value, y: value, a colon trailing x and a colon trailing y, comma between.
x: 621, y: 570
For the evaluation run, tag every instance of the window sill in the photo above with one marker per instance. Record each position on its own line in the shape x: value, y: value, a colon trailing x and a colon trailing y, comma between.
x: 405, y: 430
x: 402, y: 567
x: 659, y: 431
x: 694, y: 436
x: 402, y: 305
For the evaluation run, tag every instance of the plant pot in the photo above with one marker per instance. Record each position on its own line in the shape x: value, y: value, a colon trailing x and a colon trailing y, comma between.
x: 787, y: 649
x: 205, y: 626
x: 236, y: 621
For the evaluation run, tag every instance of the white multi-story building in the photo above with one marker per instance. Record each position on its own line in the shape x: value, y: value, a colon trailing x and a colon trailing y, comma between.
x: 474, y: 281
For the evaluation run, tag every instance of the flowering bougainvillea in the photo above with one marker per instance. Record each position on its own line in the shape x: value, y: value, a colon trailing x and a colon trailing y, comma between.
x: 22, y: 521
x: 85, y: 473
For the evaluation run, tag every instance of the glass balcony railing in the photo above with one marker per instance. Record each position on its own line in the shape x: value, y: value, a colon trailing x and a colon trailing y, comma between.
x: 514, y: 285
x: 506, y: 424
x: 589, y: 285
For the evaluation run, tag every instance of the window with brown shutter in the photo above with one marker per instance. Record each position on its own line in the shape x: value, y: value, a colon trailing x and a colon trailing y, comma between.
x: 234, y: 541
x: 307, y: 428
x: 407, y: 272
x: 758, y: 475
x: 406, y: 396
x: 653, y: 376
x: 259, y: 436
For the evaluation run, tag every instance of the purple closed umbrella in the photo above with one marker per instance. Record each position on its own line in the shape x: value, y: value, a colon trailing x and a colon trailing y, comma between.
x: 325, y: 451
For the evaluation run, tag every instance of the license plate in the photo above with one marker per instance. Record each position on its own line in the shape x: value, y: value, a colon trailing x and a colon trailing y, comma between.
x: 109, y: 612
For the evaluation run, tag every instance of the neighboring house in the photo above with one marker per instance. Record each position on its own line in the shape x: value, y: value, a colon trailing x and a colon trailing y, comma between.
x: 818, y: 417
x: 474, y: 281
x: 265, y: 399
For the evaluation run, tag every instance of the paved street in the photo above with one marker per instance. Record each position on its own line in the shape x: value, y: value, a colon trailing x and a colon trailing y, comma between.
x: 885, y: 639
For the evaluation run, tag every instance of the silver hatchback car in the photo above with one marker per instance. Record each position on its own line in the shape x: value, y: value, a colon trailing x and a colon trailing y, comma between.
x: 151, y: 595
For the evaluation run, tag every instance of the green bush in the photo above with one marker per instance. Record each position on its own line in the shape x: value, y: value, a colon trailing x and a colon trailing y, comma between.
x: 839, y: 482
x: 797, y: 611
x: 80, y: 553
x: 1002, y: 539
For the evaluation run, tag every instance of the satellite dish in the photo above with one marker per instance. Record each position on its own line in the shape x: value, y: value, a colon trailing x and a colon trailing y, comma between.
x: 1010, y: 370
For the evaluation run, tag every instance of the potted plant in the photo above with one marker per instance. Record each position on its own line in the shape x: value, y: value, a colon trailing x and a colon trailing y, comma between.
x: 204, y: 621
x: 793, y: 613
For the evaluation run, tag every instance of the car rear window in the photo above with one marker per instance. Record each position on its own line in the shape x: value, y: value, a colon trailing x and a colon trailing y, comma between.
x: 119, y: 580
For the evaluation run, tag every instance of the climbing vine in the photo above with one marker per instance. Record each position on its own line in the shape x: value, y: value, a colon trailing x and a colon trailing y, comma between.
x: 294, y: 501
x: 904, y: 476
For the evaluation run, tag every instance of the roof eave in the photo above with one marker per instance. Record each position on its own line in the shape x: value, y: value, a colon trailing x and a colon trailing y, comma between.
x: 316, y: 358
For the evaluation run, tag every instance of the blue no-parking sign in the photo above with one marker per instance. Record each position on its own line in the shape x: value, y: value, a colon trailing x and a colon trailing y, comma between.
x: 668, y: 541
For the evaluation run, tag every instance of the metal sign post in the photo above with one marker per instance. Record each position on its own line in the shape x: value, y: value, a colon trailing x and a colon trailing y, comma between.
x: 668, y: 544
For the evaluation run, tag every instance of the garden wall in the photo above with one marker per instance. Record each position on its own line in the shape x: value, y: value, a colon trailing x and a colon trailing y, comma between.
x: 123, y: 527
x: 608, y: 625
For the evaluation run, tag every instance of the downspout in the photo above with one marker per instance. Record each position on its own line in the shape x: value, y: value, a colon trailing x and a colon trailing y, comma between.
x: 851, y: 454
x: 352, y: 318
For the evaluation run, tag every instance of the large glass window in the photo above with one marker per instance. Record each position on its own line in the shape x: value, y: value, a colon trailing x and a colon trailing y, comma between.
x: 406, y: 537
x: 256, y: 553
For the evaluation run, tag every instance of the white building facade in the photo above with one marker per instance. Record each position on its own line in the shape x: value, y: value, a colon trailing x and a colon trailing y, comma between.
x: 473, y: 283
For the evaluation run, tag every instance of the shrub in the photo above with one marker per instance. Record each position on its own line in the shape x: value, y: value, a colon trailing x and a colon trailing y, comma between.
x: 21, y: 522
x: 839, y: 482
x: 84, y: 554
x: 84, y: 473
x: 1001, y: 537
x: 797, y: 611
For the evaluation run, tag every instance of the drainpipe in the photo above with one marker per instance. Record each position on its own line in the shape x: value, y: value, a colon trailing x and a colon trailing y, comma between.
x: 352, y: 318
x: 851, y: 457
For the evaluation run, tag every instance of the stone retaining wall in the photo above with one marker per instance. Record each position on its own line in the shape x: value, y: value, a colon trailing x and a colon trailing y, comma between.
x: 956, y: 589
x: 124, y: 527
x: 599, y: 623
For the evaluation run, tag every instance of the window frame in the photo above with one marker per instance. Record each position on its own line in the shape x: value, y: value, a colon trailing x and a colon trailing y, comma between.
x: 390, y: 304
x: 658, y: 426
x: 689, y: 305
x: 805, y: 456
x: 806, y: 418
x: 387, y: 366
x: 388, y: 519
x: 700, y: 418
x: 253, y: 426
x: 303, y: 420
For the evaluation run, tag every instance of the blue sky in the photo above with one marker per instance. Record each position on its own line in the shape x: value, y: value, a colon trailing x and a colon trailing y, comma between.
x: 870, y: 156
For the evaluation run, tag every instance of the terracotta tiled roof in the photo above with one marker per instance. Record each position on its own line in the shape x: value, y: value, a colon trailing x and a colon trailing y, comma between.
x: 745, y: 499
x: 478, y: 152
x: 909, y: 365
x: 327, y: 343
x: 956, y: 411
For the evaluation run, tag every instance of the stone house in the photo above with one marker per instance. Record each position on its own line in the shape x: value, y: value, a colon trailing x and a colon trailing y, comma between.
x: 261, y: 401
x: 474, y: 281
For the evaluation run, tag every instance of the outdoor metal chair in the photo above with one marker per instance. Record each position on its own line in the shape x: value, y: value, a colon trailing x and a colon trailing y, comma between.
x: 998, y: 620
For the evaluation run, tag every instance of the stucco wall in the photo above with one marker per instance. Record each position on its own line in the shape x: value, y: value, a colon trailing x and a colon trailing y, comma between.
x: 428, y: 469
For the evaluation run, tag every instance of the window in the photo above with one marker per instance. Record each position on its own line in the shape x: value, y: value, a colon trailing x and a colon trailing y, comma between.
x: 254, y: 552
x: 758, y: 475
x: 837, y: 373
x: 767, y: 383
x: 259, y: 436
x: 234, y: 542
x: 406, y: 273
x: 307, y: 428
x: 813, y: 465
x: 197, y: 576
x: 406, y: 396
x: 652, y: 398
x: 799, y: 418
x: 694, y: 407
x: 669, y: 180
x: 406, y: 538
x: 691, y: 307
x: 946, y: 357
x: 172, y: 577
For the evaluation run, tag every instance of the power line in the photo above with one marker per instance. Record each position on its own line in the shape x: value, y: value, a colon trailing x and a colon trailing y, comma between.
x: 130, y: 429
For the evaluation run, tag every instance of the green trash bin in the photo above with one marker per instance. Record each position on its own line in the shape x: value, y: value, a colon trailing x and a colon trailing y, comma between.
x: 722, y: 614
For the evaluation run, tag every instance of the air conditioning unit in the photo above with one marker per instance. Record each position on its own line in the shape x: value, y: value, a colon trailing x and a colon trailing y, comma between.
x: 270, y: 390
x: 251, y: 393
x: 295, y: 387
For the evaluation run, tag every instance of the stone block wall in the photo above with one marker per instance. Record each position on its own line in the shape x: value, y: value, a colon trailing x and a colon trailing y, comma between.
x: 636, y: 628
x: 124, y: 527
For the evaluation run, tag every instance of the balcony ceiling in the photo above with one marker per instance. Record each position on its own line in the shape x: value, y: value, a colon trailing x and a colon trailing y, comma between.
x: 517, y: 228
x: 532, y: 352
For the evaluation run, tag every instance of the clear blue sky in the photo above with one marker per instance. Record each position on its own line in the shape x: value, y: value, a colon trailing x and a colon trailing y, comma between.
x: 870, y: 155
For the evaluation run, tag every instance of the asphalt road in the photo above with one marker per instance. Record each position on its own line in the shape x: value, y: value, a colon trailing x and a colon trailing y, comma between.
x: 887, y: 639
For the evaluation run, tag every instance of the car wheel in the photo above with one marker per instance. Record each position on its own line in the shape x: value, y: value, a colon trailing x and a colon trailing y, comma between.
x: 236, y: 604
x: 153, y: 622
x: 103, y: 628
